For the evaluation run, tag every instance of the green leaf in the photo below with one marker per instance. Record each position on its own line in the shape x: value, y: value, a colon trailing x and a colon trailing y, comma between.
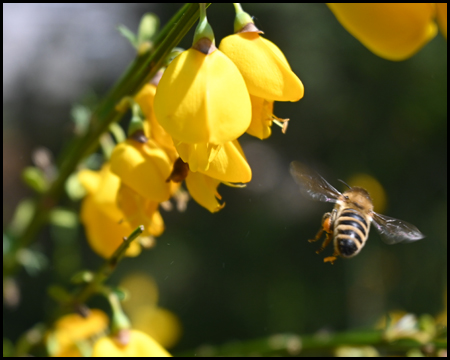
x: 35, y: 179
x: 74, y: 189
x: 22, y: 216
x: 59, y: 294
x: 64, y: 218
x: 33, y: 261
x: 6, y: 244
x: 128, y: 34
x: 81, y: 116
x: 148, y: 27
x: 82, y: 277
x: 122, y: 294
x: 117, y: 132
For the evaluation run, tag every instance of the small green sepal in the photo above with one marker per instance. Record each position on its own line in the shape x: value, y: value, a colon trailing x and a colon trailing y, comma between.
x: 242, y: 18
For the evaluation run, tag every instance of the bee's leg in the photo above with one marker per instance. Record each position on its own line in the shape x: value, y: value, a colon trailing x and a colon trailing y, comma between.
x: 327, y: 240
x: 331, y: 259
x: 325, y: 227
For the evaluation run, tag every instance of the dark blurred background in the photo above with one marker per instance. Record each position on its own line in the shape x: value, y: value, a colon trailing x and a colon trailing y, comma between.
x: 249, y: 271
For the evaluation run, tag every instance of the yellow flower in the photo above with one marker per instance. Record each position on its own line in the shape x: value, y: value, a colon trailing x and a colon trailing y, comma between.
x: 145, y: 315
x: 103, y: 220
x: 139, y: 345
x: 394, y: 31
x: 153, y: 130
x: 202, y: 98
x: 262, y: 117
x: 442, y: 17
x: 144, y: 167
x: 203, y: 190
x: 263, y: 66
x: 138, y: 210
x: 198, y: 156
x: 159, y: 323
x: 73, y: 329
x: 230, y: 164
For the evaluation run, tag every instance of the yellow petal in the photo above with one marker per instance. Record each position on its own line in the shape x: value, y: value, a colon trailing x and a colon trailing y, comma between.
x: 203, y: 99
x: 104, y: 229
x: 161, y: 324
x: 263, y: 66
x: 103, y: 220
x: 262, y: 111
x: 145, y: 99
x: 394, y: 31
x: 138, y: 210
x: 143, y: 291
x: 72, y: 328
x: 144, y: 168
x: 156, y: 227
x: 90, y: 180
x: 230, y: 164
x: 203, y: 190
x: 442, y: 17
x: 140, y: 345
x: 198, y: 156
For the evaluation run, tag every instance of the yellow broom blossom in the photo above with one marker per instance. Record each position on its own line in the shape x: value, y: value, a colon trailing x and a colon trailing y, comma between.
x: 203, y: 190
x: 263, y: 117
x: 138, y: 211
x: 103, y: 220
x: 72, y: 329
x: 153, y: 130
x: 264, y: 67
x: 394, y: 31
x: 144, y: 167
x: 230, y: 164
x: 139, y: 345
x: 202, y: 100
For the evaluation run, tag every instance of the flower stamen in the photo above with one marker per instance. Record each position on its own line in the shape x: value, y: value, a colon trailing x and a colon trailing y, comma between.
x: 282, y: 123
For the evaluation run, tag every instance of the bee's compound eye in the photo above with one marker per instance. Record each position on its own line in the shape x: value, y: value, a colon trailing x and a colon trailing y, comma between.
x: 347, y: 247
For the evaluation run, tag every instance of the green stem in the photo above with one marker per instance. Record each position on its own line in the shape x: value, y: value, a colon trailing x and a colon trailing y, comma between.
x: 292, y: 345
x: 141, y: 70
x: 27, y: 341
x: 105, y: 270
x: 238, y: 7
x: 203, y: 30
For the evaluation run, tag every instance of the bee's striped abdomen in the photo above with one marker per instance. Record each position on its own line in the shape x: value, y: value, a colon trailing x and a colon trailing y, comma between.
x: 350, y: 232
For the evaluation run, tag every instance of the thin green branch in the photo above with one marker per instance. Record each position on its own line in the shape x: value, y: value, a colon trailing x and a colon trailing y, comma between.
x: 141, y: 70
x: 291, y: 344
x: 105, y: 270
x: 35, y: 337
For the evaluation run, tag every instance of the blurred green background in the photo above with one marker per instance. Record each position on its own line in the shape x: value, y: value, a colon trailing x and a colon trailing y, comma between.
x: 248, y: 271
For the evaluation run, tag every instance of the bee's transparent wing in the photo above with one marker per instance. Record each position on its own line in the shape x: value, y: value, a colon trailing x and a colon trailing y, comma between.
x: 394, y: 231
x: 312, y: 184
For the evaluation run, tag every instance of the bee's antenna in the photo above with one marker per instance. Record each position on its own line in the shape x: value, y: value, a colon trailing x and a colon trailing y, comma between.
x: 342, y: 181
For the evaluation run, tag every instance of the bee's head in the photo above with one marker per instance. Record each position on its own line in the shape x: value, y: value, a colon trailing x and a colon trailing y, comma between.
x: 358, y: 197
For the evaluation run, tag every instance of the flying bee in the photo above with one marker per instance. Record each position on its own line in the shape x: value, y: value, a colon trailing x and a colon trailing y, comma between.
x: 348, y: 224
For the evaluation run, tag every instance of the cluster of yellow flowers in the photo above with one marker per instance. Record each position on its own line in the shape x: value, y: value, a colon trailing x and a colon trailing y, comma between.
x: 206, y: 98
x: 74, y: 335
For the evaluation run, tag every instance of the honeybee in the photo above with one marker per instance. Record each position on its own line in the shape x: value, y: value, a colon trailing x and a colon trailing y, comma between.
x: 348, y: 224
